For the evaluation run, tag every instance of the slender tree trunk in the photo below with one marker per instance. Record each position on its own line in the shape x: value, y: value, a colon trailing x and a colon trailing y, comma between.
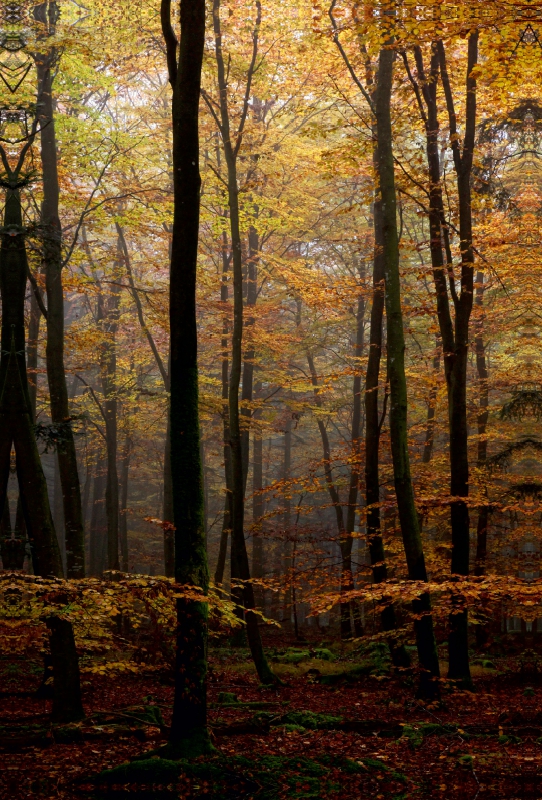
x: 346, y: 580
x: 355, y: 466
x: 457, y: 379
x: 123, y: 519
x: 429, y: 442
x: 373, y: 426
x: 52, y: 265
x: 97, y: 518
x: 257, y: 503
x: 425, y: 638
x: 482, y: 630
x: 188, y: 733
x: 239, y: 550
x: 287, y: 521
x: 108, y: 316
x: 483, y: 413
x: 248, y: 364
x: 58, y: 510
x: 32, y: 351
x: 228, y: 512
x: 167, y: 510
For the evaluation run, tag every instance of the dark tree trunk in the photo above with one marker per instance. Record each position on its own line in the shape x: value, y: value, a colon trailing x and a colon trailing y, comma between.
x: 408, y: 516
x: 459, y: 668
x: 287, y: 522
x: 16, y: 417
x: 228, y: 513
x: 429, y: 443
x: 346, y: 568
x: 483, y: 413
x: 32, y: 351
x: 240, y: 564
x: 257, y: 504
x: 97, y: 520
x: 52, y: 265
x: 355, y: 468
x: 482, y: 630
x: 167, y: 510
x: 188, y: 733
x: 248, y: 365
x: 123, y: 519
x: 108, y: 315
x: 67, y: 704
x: 167, y: 515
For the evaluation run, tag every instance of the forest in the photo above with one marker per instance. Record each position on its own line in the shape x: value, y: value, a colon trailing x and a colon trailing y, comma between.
x: 270, y: 396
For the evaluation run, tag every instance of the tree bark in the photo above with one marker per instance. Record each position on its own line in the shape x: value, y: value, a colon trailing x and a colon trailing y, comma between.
x: 188, y: 733
x: 257, y: 504
x: 355, y: 455
x: 408, y: 516
x: 240, y: 564
x: 67, y: 703
x: 16, y: 418
x: 108, y: 316
x: 228, y: 511
x: 167, y: 514
x: 52, y: 266
x: 123, y: 519
x: 457, y: 373
x: 248, y: 363
x: 98, y: 524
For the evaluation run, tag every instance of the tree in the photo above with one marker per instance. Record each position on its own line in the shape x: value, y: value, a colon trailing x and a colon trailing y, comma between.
x: 188, y: 734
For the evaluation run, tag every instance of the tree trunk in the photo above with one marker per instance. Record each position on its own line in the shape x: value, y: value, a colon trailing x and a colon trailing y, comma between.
x: 228, y: 513
x: 287, y: 522
x: 429, y: 442
x: 16, y: 418
x: 167, y: 514
x: 32, y: 351
x: 188, y: 733
x: 457, y: 373
x: 108, y: 315
x: 355, y: 466
x: 97, y: 519
x: 52, y: 265
x: 167, y: 510
x: 67, y: 704
x: 423, y: 625
x: 346, y: 577
x: 239, y: 550
x: 58, y: 510
x: 257, y: 504
x: 482, y: 630
x: 123, y: 519
x: 483, y: 413
x: 248, y: 364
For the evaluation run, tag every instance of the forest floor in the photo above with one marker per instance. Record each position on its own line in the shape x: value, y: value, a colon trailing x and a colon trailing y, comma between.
x: 332, y: 731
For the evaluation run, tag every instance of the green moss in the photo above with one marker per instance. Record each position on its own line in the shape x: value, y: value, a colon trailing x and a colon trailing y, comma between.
x: 311, y: 720
x: 294, y: 655
x: 509, y: 739
x: 416, y: 735
x: 67, y: 734
x: 305, y: 778
x: 227, y: 697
